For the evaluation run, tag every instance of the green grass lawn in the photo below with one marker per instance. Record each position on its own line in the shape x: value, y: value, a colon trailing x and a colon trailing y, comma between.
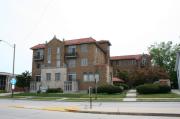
x: 166, y: 95
x: 2, y: 91
x: 76, y: 97
x: 72, y: 95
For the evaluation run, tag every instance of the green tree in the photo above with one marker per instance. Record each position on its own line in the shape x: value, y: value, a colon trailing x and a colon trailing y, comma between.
x: 23, y: 80
x: 123, y: 75
x: 164, y: 56
x: 147, y: 75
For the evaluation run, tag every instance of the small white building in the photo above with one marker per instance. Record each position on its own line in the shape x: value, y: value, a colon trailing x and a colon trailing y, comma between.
x: 5, y: 81
x: 177, y: 67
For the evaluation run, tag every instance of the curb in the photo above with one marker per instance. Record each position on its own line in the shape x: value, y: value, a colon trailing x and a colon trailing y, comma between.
x: 94, y: 101
x: 129, y: 113
x: 72, y: 109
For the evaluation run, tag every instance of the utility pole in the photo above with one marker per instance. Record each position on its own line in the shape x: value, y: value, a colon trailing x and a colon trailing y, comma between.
x: 13, y: 67
x: 14, y: 46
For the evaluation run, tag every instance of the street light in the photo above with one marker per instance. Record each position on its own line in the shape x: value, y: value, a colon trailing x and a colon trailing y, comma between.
x: 14, y: 47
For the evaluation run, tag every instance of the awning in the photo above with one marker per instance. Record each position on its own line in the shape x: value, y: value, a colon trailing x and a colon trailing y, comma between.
x: 115, y: 79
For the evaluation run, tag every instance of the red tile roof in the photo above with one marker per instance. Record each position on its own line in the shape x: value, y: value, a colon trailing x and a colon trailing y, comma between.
x: 80, y: 41
x: 39, y: 46
x: 69, y: 42
x: 126, y: 57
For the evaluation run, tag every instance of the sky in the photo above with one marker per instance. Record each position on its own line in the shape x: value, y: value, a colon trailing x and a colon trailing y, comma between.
x: 130, y: 25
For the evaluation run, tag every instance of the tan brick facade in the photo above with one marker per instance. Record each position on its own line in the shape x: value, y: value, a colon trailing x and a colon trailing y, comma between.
x: 94, y: 55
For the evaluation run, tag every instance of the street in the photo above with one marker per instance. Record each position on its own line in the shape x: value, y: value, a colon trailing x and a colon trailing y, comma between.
x: 9, y: 112
x: 37, y: 114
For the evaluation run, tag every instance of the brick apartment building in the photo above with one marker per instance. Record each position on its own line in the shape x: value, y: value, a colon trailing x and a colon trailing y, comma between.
x: 130, y: 62
x: 72, y: 65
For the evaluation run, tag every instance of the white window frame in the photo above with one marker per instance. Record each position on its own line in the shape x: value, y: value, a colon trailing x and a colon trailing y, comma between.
x: 71, y: 63
x: 85, y: 77
x: 72, y: 74
x: 48, y: 76
x: 58, y: 63
x: 70, y: 49
x: 49, y: 55
x: 84, y: 62
x: 58, y: 53
x: 38, y: 76
x: 57, y: 76
x: 91, y: 77
x: 96, y: 76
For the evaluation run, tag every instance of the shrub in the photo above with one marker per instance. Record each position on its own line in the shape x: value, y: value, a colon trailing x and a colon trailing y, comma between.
x: 164, y: 88
x: 38, y: 91
x: 54, y: 90
x: 152, y: 88
x: 110, y: 89
x: 2, y: 91
x: 125, y: 86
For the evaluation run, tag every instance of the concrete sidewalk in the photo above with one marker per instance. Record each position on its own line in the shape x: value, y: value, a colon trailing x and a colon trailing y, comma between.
x: 133, y: 111
x: 99, y: 109
x: 176, y: 91
x: 5, y: 94
x: 130, y: 96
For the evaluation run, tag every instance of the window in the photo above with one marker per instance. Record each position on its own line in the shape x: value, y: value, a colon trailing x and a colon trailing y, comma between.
x: 84, y: 48
x: 58, y: 63
x: 84, y: 62
x: 71, y: 63
x: 38, y: 78
x: 119, y: 62
x: 72, y: 49
x: 96, y: 76
x: 38, y: 65
x: 91, y: 77
x: 144, y: 61
x: 58, y: 56
x: 114, y: 63
x: 38, y: 54
x: 85, y: 77
x: 72, y: 77
x: 57, y: 76
x: 58, y: 50
x: 48, y: 76
x: 49, y: 55
x: 58, y: 53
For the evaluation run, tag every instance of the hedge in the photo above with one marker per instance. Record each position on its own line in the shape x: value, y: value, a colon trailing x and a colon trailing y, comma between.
x: 125, y: 86
x: 109, y: 89
x: 54, y: 90
x: 152, y: 88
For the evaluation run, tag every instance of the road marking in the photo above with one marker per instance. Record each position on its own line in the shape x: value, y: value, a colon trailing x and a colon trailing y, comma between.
x: 61, y: 109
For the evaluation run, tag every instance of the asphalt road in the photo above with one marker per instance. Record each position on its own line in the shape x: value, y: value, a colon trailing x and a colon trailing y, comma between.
x: 8, y: 112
